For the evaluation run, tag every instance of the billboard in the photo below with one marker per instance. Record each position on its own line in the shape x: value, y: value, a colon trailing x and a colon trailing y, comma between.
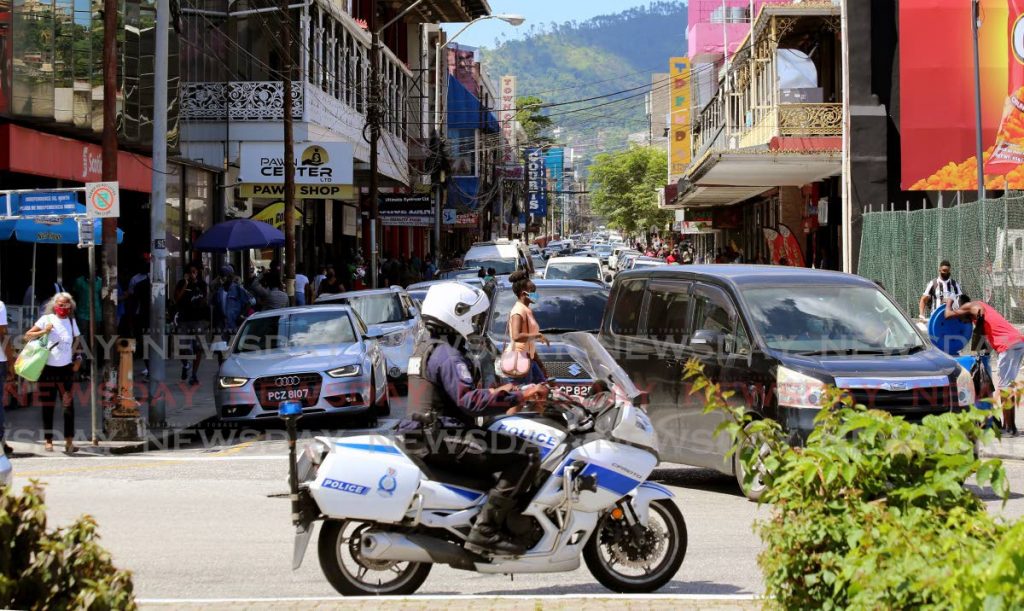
x: 406, y: 210
x: 325, y: 163
x: 507, y: 117
x: 937, y: 107
x: 536, y: 183
x: 679, y: 136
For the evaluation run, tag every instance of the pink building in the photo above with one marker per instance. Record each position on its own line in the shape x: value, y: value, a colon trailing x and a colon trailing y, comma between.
x: 712, y: 22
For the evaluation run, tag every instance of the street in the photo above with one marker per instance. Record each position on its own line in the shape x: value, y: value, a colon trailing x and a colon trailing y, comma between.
x: 213, y: 523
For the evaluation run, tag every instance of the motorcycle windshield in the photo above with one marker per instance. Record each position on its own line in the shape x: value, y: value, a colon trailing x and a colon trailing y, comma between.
x: 590, y: 354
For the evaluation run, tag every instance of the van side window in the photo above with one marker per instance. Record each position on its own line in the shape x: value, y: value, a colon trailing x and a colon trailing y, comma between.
x: 667, y: 313
x: 626, y: 316
x: 713, y: 310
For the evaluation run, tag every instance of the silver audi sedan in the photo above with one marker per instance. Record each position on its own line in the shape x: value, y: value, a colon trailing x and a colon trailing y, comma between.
x: 323, y: 356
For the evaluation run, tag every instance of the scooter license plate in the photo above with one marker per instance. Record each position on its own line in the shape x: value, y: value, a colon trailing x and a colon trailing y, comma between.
x: 578, y: 390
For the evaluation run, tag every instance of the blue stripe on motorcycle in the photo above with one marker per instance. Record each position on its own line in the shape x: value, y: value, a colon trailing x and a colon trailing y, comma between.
x: 366, y: 447
x: 611, y: 480
x: 464, y: 492
x: 657, y: 487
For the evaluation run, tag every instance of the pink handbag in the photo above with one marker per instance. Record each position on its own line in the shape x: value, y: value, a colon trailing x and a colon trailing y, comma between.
x: 515, y: 364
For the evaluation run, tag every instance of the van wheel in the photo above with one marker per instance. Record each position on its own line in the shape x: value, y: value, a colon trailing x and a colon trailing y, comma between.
x: 755, y: 487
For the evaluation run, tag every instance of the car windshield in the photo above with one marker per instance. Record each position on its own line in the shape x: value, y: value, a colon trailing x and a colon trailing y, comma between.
x: 821, y: 320
x: 378, y: 309
x: 573, y: 271
x: 502, y: 267
x: 560, y: 310
x: 604, y: 249
x: 304, y: 330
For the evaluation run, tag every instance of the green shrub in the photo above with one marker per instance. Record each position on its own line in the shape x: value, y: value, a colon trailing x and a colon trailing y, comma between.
x: 64, y: 568
x: 872, y: 512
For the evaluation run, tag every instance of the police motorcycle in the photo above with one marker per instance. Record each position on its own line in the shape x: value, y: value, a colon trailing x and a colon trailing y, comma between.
x: 387, y: 518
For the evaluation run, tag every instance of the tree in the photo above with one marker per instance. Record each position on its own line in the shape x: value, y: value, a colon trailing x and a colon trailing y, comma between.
x: 533, y: 122
x: 624, y: 188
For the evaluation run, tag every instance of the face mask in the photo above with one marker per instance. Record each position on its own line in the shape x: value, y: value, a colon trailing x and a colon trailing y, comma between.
x: 944, y: 275
x: 534, y: 297
x: 62, y: 311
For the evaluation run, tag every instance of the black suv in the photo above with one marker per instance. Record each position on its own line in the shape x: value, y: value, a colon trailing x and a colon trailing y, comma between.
x: 776, y: 337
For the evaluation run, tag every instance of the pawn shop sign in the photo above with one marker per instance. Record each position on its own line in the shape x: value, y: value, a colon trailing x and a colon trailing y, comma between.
x: 102, y: 200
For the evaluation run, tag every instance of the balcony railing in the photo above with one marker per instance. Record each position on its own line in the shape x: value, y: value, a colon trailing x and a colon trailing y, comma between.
x: 239, y: 101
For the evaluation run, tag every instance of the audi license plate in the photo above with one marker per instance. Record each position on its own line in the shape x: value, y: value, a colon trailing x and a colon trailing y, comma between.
x: 287, y: 394
x: 579, y: 390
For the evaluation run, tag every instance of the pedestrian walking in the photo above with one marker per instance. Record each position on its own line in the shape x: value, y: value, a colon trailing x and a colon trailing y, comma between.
x: 138, y: 307
x: 524, y: 331
x: 939, y: 291
x: 6, y: 356
x: 1008, y: 343
x: 331, y: 284
x: 269, y: 291
x: 191, y: 302
x: 54, y: 386
x: 301, y: 282
x: 231, y: 303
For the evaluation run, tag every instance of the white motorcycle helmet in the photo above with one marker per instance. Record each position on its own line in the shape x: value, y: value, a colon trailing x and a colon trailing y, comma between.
x: 455, y: 305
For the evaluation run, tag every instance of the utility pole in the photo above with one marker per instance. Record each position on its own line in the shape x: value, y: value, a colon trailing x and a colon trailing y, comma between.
x: 289, y: 155
x: 158, y: 222
x: 110, y: 173
x: 373, y: 116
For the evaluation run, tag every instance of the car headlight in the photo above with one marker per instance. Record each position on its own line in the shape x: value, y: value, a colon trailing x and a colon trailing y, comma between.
x: 798, y: 390
x: 393, y: 339
x: 348, y: 371
x: 231, y: 382
x: 965, y: 388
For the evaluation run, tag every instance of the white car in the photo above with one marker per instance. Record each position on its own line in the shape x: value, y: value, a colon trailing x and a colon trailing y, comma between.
x: 503, y: 255
x: 575, y: 268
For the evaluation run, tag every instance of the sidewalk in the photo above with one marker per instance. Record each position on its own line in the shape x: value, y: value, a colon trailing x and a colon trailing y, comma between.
x: 186, y: 406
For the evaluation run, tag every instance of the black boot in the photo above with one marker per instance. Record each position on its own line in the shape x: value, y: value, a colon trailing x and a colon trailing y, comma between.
x: 487, y: 531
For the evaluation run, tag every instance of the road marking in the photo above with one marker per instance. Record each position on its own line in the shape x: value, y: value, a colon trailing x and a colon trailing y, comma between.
x: 242, y: 446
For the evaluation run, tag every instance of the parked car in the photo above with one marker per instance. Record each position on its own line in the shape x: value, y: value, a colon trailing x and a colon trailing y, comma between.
x: 646, y: 262
x: 539, y: 265
x: 576, y: 268
x: 391, y: 315
x: 626, y: 259
x: 777, y: 337
x: 462, y: 273
x: 505, y: 256
x: 565, y: 306
x: 321, y: 355
x: 418, y: 292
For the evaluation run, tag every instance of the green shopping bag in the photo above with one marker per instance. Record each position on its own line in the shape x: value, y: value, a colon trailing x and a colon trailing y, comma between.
x: 32, y: 359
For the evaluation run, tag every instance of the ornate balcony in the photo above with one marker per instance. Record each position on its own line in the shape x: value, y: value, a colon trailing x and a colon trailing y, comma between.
x: 239, y: 101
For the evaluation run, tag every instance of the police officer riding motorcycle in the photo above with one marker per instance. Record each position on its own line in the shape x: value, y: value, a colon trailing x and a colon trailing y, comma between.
x: 445, y: 402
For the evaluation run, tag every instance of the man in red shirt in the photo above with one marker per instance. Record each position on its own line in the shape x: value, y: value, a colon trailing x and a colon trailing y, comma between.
x: 1005, y: 339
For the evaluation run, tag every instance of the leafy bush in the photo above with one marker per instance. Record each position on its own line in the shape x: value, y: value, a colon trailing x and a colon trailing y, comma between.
x: 873, y: 512
x: 63, y: 568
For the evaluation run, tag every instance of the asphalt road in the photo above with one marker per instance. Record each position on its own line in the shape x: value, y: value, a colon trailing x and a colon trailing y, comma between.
x: 212, y: 523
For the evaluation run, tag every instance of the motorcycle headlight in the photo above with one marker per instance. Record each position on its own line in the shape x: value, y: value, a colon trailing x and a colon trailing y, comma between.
x: 231, y: 382
x: 798, y: 390
x: 392, y: 340
x: 348, y: 371
x: 965, y: 388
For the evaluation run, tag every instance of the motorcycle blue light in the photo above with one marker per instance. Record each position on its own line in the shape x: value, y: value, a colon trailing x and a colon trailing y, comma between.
x: 289, y: 408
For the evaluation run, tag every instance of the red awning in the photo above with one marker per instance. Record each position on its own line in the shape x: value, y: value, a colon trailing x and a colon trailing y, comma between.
x: 27, y: 151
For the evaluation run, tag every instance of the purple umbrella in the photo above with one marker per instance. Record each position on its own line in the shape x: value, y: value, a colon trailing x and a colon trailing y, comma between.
x: 240, y: 234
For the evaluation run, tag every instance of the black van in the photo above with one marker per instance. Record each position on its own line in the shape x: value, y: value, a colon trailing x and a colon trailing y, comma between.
x: 776, y: 336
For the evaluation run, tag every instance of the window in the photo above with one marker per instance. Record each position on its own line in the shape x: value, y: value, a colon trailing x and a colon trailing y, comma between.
x: 626, y: 317
x: 713, y: 310
x: 667, y: 312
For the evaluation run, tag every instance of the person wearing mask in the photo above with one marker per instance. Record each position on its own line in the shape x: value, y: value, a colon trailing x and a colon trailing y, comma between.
x: 429, y: 270
x: 301, y: 282
x: 524, y: 332
x: 445, y: 402
x: 939, y: 291
x: 191, y: 302
x: 230, y: 303
x: 1008, y: 344
x: 269, y: 290
x: 331, y: 285
x: 6, y: 369
x: 316, y: 283
x: 54, y: 385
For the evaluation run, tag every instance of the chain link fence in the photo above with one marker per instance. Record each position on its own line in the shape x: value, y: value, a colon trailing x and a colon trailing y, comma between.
x: 984, y: 242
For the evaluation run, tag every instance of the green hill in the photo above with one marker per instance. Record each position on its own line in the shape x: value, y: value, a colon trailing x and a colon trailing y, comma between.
x: 578, y: 60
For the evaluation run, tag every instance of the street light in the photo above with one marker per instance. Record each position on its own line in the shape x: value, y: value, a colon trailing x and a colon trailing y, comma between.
x: 509, y: 18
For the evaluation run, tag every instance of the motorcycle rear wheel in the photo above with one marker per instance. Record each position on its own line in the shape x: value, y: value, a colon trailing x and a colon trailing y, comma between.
x: 352, y: 575
x: 665, y: 523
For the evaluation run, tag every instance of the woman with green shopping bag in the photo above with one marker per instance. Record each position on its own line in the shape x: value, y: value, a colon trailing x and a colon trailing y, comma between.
x: 54, y: 387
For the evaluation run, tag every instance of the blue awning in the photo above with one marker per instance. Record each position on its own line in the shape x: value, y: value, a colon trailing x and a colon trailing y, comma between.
x: 464, y: 192
x: 465, y: 110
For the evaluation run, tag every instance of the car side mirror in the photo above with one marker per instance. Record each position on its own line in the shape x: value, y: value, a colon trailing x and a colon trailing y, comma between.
x: 706, y: 340
x: 219, y: 347
x: 373, y: 334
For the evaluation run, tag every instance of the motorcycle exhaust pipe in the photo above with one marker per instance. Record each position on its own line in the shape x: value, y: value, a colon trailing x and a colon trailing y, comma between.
x: 380, y: 545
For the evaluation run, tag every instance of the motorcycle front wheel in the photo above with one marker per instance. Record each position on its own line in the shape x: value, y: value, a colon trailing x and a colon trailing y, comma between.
x: 627, y: 562
x: 352, y: 575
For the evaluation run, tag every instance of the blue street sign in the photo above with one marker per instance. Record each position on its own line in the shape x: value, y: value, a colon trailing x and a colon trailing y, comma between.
x: 44, y: 203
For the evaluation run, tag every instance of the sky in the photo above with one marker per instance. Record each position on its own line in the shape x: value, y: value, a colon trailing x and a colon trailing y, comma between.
x: 539, y: 13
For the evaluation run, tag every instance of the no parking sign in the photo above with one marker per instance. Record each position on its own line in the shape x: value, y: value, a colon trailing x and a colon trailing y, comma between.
x: 102, y: 200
